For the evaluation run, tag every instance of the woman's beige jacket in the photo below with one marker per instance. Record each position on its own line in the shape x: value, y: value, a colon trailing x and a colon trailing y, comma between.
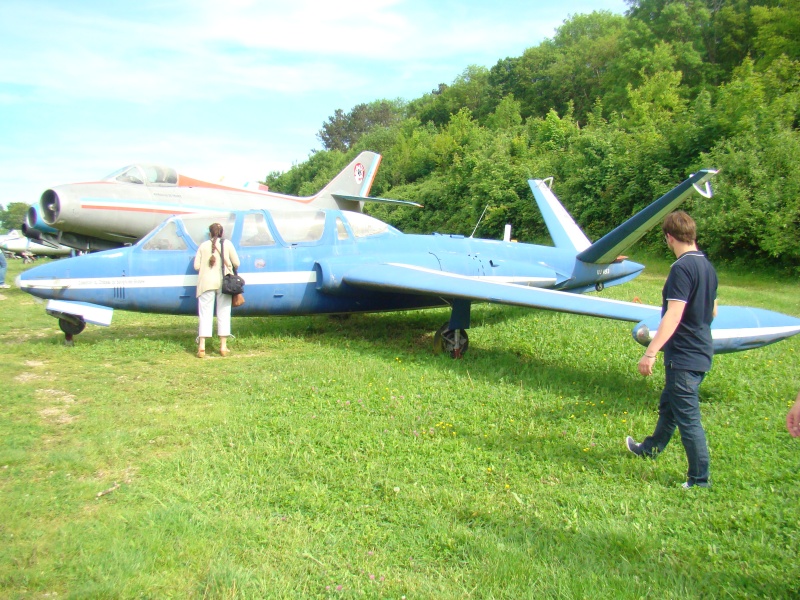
x: 210, y: 278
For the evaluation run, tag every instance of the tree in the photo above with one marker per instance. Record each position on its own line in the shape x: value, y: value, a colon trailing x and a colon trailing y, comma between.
x: 13, y: 216
x: 575, y: 67
x: 470, y: 90
x: 342, y: 131
x: 756, y: 211
x: 778, y: 28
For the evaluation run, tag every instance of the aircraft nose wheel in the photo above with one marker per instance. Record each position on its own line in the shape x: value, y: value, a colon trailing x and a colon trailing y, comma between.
x: 71, y: 328
x: 453, y: 341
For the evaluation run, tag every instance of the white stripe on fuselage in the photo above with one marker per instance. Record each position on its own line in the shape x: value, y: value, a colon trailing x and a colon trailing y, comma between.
x: 162, y: 281
x: 268, y: 278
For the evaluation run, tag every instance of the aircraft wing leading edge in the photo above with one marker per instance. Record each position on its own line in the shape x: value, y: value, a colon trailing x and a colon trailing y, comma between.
x: 418, y: 280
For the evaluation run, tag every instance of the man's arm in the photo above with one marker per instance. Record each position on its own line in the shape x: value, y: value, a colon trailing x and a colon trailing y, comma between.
x: 669, y: 323
x: 793, y: 418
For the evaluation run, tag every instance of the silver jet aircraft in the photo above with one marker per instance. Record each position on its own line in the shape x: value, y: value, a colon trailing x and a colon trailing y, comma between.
x: 121, y: 208
x: 16, y: 244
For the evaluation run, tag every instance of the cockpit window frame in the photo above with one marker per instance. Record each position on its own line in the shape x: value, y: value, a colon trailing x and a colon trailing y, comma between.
x: 364, y: 226
x: 159, y: 175
x: 268, y: 229
x: 185, y: 233
x: 150, y: 175
x: 158, y: 241
x: 130, y: 174
x: 282, y: 221
x: 228, y: 220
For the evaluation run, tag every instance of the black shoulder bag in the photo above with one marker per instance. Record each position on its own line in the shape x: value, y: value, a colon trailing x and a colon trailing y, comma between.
x: 231, y: 284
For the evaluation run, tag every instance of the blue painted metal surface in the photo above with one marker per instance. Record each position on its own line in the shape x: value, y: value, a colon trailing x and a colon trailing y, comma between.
x: 332, y: 261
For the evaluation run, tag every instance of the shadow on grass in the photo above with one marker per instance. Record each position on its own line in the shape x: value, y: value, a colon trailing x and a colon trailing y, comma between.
x: 618, y: 563
x: 386, y: 336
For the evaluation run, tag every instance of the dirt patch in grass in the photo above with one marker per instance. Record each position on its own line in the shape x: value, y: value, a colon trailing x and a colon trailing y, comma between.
x: 58, y: 412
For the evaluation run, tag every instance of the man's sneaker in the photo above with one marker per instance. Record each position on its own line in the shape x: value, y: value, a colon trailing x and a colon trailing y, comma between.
x: 686, y: 485
x: 631, y: 444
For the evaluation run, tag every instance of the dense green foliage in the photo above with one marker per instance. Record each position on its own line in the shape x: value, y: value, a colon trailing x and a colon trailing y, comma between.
x: 12, y: 216
x: 618, y: 109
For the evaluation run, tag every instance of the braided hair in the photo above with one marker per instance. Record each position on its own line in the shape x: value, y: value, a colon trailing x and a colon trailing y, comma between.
x: 215, y: 231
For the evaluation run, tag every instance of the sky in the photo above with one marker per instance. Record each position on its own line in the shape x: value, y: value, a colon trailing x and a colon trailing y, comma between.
x: 226, y: 91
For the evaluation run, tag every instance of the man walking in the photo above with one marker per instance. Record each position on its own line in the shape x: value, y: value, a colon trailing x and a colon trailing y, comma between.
x: 3, y: 266
x: 689, y: 304
x: 793, y: 418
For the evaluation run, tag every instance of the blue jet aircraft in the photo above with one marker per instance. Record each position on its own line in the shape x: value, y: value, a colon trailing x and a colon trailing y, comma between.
x: 332, y: 261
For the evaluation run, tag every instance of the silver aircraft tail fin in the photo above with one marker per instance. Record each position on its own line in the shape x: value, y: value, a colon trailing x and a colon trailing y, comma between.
x: 355, y: 180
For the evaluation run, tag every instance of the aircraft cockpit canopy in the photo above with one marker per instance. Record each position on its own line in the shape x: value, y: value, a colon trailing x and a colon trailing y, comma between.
x: 146, y: 174
x: 364, y: 225
x: 171, y: 236
x: 166, y: 238
x: 305, y: 227
x: 197, y: 225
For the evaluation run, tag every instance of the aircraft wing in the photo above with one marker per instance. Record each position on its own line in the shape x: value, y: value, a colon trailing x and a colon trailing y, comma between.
x: 375, y: 199
x: 410, y: 279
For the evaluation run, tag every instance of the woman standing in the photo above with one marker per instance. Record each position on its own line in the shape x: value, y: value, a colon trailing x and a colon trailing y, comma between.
x: 212, y: 258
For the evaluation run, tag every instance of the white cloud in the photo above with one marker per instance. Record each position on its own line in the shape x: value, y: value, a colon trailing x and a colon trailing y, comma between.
x: 384, y: 30
x: 236, y: 88
x: 217, y: 50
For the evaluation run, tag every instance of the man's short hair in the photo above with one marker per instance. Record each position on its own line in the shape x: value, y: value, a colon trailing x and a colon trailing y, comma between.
x: 680, y: 226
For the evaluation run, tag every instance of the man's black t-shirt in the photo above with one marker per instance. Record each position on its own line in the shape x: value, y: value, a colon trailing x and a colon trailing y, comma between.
x: 692, y: 280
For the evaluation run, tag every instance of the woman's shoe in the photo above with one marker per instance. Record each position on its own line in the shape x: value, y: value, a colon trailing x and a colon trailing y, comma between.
x: 201, y: 353
x: 224, y: 352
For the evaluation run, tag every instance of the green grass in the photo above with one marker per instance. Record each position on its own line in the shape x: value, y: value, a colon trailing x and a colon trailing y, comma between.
x: 340, y: 458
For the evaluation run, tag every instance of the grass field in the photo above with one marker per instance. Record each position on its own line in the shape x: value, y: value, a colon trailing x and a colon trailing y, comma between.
x: 340, y: 458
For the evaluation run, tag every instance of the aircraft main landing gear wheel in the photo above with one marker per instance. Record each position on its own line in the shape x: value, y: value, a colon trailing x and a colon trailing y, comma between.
x: 453, y: 341
x: 71, y: 328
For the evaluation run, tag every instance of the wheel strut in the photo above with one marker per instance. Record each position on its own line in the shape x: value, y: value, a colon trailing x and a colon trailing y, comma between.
x: 453, y: 341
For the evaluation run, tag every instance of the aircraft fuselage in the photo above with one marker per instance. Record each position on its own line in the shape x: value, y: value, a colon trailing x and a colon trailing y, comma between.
x: 287, y: 277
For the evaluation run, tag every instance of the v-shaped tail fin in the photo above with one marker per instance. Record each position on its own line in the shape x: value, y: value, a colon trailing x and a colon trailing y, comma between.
x: 610, y: 246
x: 562, y: 227
x: 567, y: 235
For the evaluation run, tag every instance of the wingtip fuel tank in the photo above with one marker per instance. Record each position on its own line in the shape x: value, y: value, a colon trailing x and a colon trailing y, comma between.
x: 735, y: 328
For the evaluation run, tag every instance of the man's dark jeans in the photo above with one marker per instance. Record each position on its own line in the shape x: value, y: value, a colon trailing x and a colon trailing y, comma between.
x: 680, y: 407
